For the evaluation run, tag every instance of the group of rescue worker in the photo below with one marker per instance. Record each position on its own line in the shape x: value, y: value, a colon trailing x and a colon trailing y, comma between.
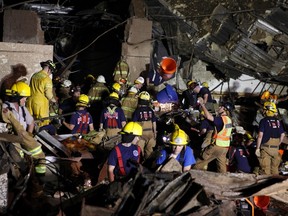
x: 126, y: 108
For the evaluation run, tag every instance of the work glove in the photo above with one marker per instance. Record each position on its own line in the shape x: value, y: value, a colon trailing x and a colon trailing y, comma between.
x: 257, y: 152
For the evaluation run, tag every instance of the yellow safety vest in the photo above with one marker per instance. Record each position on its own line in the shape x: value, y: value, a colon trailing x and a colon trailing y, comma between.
x: 223, y: 137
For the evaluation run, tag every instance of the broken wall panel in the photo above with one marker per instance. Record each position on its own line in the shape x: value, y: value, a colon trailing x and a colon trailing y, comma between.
x: 137, y: 66
x: 28, y: 54
x: 22, y: 26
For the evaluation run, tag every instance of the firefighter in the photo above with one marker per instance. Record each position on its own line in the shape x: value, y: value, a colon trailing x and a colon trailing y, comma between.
x: 81, y: 122
x: 147, y: 119
x: 270, y: 136
x: 138, y: 83
x: 17, y: 97
x: 63, y: 90
x: 112, y: 118
x: 204, y: 93
x: 129, y: 103
x: 22, y: 91
x: 121, y: 71
x: 97, y: 93
x: 116, y: 87
x: 124, y: 157
x: 189, y: 98
x: 219, y: 147
x: 41, y: 92
x: 179, y: 150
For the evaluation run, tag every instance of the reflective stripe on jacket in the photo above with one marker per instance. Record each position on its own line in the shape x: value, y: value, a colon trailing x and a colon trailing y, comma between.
x: 222, y: 138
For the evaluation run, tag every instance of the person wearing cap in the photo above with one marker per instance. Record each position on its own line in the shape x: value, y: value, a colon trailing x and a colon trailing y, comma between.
x: 41, y: 92
x: 112, y: 118
x: 138, y: 83
x: 145, y: 115
x: 189, y: 98
x: 270, y: 136
x: 124, y: 157
x: 81, y: 122
x: 221, y: 139
x: 204, y: 93
x: 69, y: 106
x: 130, y: 103
x: 178, y: 149
x: 97, y: 93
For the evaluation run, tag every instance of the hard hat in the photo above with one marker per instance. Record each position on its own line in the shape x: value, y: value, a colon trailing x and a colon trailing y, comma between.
x: 179, y: 137
x: 101, y: 79
x: 139, y: 80
x: 189, y: 82
x: 19, y: 89
x: 228, y: 106
x: 116, y: 87
x: 133, y: 128
x: 90, y: 77
x: 66, y: 83
x: 114, y: 95
x: 265, y: 95
x: 132, y: 90
x: 270, y: 108
x: 50, y: 64
x: 205, y: 84
x: 144, y: 95
x: 83, y: 100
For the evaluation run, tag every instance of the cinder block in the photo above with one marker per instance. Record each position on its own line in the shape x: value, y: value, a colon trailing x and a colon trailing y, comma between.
x: 28, y: 54
x: 22, y: 26
x: 138, y: 30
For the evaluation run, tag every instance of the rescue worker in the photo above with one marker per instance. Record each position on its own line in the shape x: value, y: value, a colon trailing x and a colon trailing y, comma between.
x: 223, y: 128
x: 17, y: 97
x: 41, y: 92
x: 123, y: 158
x: 204, y: 93
x: 88, y: 82
x: 206, y: 130
x: 116, y: 87
x: 270, y: 136
x: 205, y: 84
x: 189, y: 98
x: 69, y: 106
x: 121, y: 71
x: 97, y: 93
x: 147, y: 119
x: 130, y: 103
x: 112, y: 118
x: 81, y: 122
x: 22, y: 91
x: 138, y: 83
x: 63, y: 92
x: 178, y: 150
x: 18, y: 71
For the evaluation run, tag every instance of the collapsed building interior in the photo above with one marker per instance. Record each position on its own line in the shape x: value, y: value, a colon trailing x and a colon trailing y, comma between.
x: 229, y: 39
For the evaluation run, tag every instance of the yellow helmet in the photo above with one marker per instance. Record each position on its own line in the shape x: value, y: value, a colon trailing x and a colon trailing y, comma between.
x: 114, y: 95
x: 83, y: 100
x: 190, y: 82
x: 144, y: 95
x: 19, y: 89
x: 133, y: 128
x: 270, y: 108
x: 116, y: 87
x: 179, y: 137
x: 205, y: 84
x: 265, y: 95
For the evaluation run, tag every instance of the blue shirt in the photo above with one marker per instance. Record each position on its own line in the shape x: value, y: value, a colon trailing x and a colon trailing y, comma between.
x: 240, y: 156
x: 271, y: 128
x: 204, y: 91
x: 188, y: 159
x: 113, y: 120
x: 127, y: 153
x: 81, y: 119
x: 144, y: 113
x: 206, y: 124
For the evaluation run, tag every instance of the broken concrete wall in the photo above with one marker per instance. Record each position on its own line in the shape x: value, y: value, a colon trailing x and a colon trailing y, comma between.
x: 28, y: 54
x: 137, y: 48
x: 22, y: 26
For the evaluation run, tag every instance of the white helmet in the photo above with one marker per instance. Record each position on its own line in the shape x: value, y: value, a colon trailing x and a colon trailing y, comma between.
x: 132, y: 90
x: 101, y: 79
x: 139, y: 80
x: 66, y: 83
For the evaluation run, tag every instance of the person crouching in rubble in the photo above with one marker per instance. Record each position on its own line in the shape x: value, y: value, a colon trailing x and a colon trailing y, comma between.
x: 81, y: 122
x: 11, y: 112
x: 124, y: 157
x: 178, y: 150
x: 219, y: 148
x: 270, y: 136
